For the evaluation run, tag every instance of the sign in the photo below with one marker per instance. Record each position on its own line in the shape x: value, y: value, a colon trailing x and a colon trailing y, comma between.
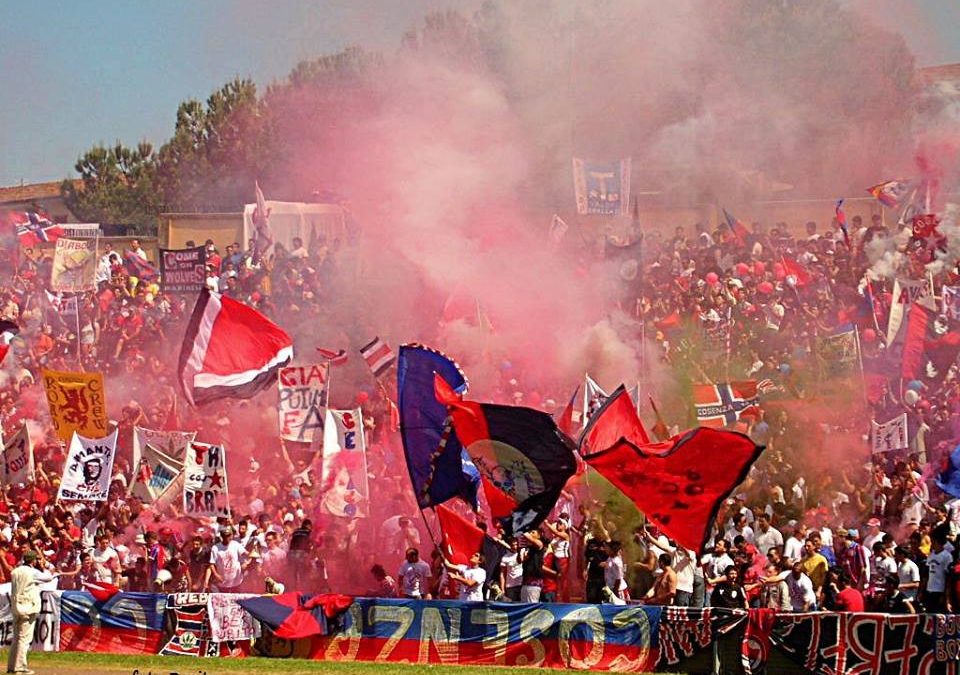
x: 171, y: 443
x: 344, y: 473
x: 46, y: 634
x: 303, y: 391
x: 18, y: 458
x: 74, y: 265
x: 89, y: 468
x: 81, y: 230
x: 183, y: 271
x: 190, y: 626
x: 905, y: 293
x: 230, y: 621
x: 890, y: 435
x: 154, y: 473
x: 77, y: 403
x: 205, y: 481
x: 602, y: 188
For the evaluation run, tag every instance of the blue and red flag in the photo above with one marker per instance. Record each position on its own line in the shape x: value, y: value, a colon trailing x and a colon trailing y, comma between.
x: 293, y: 615
x: 523, y: 458
x: 439, y: 467
x: 736, y: 227
x: 842, y: 222
x: 127, y: 623
x: 139, y: 267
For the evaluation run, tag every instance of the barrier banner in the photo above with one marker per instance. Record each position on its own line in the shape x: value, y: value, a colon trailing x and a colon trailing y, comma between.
x: 46, y: 634
x: 205, y: 481
x: 74, y: 265
x: 127, y: 623
x: 599, y: 637
x: 190, y: 628
x: 77, y: 403
x: 183, y: 271
x: 302, y: 396
x: 687, y: 631
x: 845, y: 642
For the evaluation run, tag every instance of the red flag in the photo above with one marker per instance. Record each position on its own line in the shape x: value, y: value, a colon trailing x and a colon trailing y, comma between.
x: 100, y: 590
x: 461, y: 538
x: 566, y: 417
x: 336, y: 358
x: 660, y: 428
x: 755, y: 649
x: 8, y: 331
x: 621, y: 422
x: 668, y: 322
x: 797, y: 270
x: 230, y: 350
x: 918, y: 324
x: 679, y: 484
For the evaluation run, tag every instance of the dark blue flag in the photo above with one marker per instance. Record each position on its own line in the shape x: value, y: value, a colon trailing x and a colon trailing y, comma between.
x: 439, y: 467
x: 948, y: 479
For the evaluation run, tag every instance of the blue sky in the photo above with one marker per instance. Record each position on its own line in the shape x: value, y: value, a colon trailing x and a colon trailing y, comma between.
x: 77, y: 72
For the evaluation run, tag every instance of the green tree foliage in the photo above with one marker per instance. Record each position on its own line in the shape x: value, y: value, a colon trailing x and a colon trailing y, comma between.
x: 119, y: 186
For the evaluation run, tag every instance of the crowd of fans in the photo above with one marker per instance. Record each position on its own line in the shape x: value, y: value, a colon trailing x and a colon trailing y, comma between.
x: 819, y: 523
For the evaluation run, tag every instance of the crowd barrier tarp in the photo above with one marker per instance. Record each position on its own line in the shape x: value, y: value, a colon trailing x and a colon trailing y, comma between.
x: 127, y: 623
x: 200, y: 624
x: 46, y: 633
x: 599, y: 637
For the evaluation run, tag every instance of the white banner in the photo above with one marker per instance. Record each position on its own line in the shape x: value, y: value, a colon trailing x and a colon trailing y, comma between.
x: 153, y: 474
x: 230, y: 621
x: 344, y: 473
x: 300, y: 407
x: 951, y: 301
x: 74, y: 265
x: 205, y: 481
x: 89, y: 467
x: 890, y: 435
x: 46, y: 634
x: 18, y: 458
x: 171, y: 443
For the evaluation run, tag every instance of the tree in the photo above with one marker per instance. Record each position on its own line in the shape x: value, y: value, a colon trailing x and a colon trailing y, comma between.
x: 119, y: 186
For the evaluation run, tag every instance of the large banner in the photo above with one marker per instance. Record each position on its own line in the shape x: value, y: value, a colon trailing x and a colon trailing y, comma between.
x: 314, y: 224
x: 905, y: 293
x: 183, y: 271
x: 46, y: 634
x: 171, y: 443
x: 228, y: 620
x: 891, y: 435
x: 602, y: 188
x: 302, y: 395
x: 154, y: 473
x: 89, y: 468
x: 205, y: 481
x: 18, y: 458
x: 344, y: 473
x: 77, y: 403
x: 127, y: 623
x: 74, y: 265
x: 598, y: 637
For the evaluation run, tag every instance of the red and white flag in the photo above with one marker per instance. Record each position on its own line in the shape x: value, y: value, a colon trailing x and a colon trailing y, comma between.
x: 230, y: 350
x: 335, y: 358
x: 8, y: 331
x: 378, y: 356
x: 100, y: 590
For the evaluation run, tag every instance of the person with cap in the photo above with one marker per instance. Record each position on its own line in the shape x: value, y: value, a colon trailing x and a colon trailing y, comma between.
x: 854, y: 560
x: 874, y: 533
x: 25, y: 582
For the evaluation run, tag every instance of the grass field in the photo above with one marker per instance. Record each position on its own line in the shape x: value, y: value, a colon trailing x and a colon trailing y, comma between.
x: 79, y: 663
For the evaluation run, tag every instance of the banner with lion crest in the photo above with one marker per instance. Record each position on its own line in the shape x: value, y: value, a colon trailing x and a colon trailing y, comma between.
x: 77, y: 403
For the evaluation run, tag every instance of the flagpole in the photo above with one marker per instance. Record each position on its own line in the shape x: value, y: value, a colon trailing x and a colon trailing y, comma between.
x: 76, y: 300
x: 863, y: 379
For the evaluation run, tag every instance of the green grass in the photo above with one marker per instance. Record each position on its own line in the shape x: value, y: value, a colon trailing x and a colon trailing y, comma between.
x: 74, y: 663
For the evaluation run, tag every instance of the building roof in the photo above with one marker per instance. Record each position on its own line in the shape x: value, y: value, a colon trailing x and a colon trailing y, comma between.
x: 32, y: 191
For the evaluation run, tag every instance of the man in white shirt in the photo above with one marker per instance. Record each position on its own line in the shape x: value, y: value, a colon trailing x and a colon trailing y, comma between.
x: 938, y: 565
x: 766, y: 535
x: 874, y: 534
x: 227, y: 559
x: 106, y: 560
x: 740, y: 527
x: 511, y: 572
x: 793, y: 546
x: 25, y: 581
x: 802, y: 596
x: 469, y: 578
x: 413, y: 576
x: 909, y: 573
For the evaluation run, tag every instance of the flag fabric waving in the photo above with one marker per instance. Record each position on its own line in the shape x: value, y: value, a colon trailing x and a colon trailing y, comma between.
x: 261, y: 222
x: 100, y: 590
x: 461, y: 538
x: 679, y: 484
x: 736, y: 226
x: 293, y: 615
x: 334, y: 357
x: 890, y: 193
x: 230, y: 350
x: 565, y: 423
x: 8, y: 331
x: 948, y: 479
x: 722, y: 405
x: 621, y: 421
x: 524, y: 460
x: 798, y: 271
x: 34, y: 227
x: 378, y: 356
x: 439, y: 468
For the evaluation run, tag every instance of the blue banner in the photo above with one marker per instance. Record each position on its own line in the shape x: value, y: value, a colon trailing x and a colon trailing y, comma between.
x: 602, y: 188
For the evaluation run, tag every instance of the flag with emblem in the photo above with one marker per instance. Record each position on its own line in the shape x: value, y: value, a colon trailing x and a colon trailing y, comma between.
x: 523, y: 458
x: 378, y: 356
x: 35, y: 227
x: 724, y: 404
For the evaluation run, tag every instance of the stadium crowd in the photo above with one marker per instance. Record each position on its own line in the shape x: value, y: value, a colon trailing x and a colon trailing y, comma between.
x: 818, y: 523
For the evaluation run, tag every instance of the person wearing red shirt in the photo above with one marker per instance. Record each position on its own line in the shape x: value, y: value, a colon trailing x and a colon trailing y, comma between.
x: 551, y: 576
x: 849, y: 599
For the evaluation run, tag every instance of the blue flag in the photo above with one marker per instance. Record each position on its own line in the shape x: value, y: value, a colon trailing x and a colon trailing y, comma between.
x: 440, y: 468
x: 948, y: 479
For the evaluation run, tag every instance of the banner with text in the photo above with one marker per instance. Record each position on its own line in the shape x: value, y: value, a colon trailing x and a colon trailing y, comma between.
x: 77, y: 403
x: 602, y: 188
x: 302, y: 395
x: 89, y: 467
x: 205, y: 481
x: 183, y: 271
x: 74, y: 265
x: 344, y: 473
x: 18, y: 458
